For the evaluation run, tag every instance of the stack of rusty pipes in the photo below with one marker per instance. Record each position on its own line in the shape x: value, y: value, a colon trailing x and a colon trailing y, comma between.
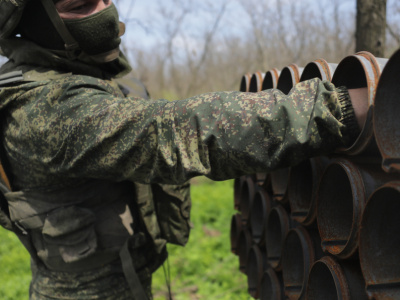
x: 327, y: 228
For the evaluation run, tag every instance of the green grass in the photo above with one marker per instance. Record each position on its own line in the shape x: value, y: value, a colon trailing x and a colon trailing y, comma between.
x: 204, y: 269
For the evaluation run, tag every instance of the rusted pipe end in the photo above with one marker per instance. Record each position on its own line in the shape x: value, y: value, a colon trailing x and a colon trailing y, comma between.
x: 342, y: 195
x: 271, y: 286
x: 279, y: 183
x: 271, y: 79
x: 358, y: 71
x: 245, y: 83
x: 236, y: 228
x: 386, y: 115
x: 380, y: 242
x: 243, y: 247
x: 340, y: 191
x: 331, y: 280
x: 255, y: 270
x: 258, y: 217
x: 327, y: 281
x: 256, y: 82
x: 319, y: 68
x: 278, y: 225
x: 289, y: 77
x: 298, y: 255
x: 300, y: 190
x: 246, y: 198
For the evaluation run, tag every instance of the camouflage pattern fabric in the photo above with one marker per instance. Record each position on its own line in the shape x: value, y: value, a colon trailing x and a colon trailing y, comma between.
x: 78, y: 127
x: 107, y: 283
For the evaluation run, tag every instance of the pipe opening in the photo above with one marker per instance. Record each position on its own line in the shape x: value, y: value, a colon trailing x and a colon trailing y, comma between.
x: 300, y: 190
x: 270, y: 286
x: 259, y: 213
x: 277, y: 226
x: 379, y: 237
x: 321, y: 284
x: 311, y: 71
x: 286, y: 81
x: 279, y: 183
x: 236, y: 228
x: 254, y: 271
x: 294, y: 267
x: 350, y: 73
x: 335, y: 209
x: 243, y: 246
x: 245, y: 83
x: 246, y: 198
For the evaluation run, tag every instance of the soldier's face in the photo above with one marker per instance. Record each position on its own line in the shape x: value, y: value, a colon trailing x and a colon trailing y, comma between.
x: 76, y: 9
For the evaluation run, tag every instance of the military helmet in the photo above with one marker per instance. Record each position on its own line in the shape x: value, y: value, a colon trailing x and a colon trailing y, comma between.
x: 10, y: 15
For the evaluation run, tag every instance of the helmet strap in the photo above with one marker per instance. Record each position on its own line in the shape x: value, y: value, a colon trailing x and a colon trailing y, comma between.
x: 71, y: 45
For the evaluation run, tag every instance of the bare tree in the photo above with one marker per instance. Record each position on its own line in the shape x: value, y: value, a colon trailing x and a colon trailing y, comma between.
x: 371, y: 26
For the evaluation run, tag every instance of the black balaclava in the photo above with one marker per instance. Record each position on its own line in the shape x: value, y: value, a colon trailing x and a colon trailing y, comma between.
x: 96, y: 34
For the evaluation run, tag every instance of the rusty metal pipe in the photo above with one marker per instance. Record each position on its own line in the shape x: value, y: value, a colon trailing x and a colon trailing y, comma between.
x: 246, y: 198
x: 386, y: 114
x: 256, y: 266
x: 245, y: 83
x: 260, y: 209
x: 243, y: 247
x: 290, y: 76
x: 278, y: 225
x: 271, y: 286
x: 331, y: 280
x: 356, y: 71
x: 300, y: 250
x: 237, y: 189
x: 271, y: 79
x: 256, y: 82
x: 342, y: 195
x: 236, y: 228
x: 380, y: 243
x: 279, y: 184
x: 318, y: 68
x: 302, y: 190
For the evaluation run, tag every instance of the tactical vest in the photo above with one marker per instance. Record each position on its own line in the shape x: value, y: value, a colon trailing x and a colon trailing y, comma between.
x: 81, y: 228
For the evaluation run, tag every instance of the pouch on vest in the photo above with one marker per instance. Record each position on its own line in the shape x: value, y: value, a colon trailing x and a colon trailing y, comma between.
x: 69, y: 232
x: 173, y: 204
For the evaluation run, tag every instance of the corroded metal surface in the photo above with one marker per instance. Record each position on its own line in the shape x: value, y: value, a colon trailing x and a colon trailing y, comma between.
x: 300, y: 250
x: 245, y: 83
x: 271, y: 286
x: 289, y: 77
x: 261, y: 206
x: 331, y: 279
x: 318, y: 68
x: 236, y: 229
x: 380, y: 243
x: 271, y: 79
x: 302, y: 190
x: 342, y: 196
x: 256, y: 266
x: 386, y: 115
x: 358, y: 71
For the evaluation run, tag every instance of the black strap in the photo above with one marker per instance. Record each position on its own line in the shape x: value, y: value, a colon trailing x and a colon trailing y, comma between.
x: 130, y: 273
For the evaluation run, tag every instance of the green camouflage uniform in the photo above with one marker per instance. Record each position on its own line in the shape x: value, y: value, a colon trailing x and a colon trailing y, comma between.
x: 75, y: 145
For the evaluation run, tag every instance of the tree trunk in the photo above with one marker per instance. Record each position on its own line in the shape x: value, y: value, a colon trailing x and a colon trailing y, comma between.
x: 371, y: 26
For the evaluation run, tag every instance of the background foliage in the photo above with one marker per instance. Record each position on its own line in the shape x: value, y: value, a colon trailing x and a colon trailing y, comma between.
x: 204, y: 269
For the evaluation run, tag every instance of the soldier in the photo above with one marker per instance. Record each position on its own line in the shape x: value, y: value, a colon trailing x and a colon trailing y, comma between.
x: 96, y: 180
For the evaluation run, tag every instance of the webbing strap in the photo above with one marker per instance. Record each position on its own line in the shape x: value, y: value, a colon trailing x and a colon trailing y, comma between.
x: 70, y: 43
x: 130, y: 273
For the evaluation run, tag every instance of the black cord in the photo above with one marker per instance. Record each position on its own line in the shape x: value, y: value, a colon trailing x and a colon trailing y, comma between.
x: 167, y: 275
